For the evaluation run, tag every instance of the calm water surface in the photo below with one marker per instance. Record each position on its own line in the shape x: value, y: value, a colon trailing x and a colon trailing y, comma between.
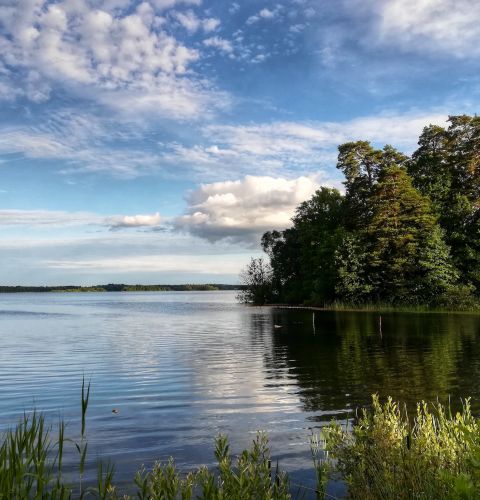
x: 183, y: 367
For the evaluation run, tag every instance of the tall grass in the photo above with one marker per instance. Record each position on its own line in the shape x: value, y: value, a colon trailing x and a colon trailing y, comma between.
x: 407, y: 308
x: 31, y: 466
x: 384, y: 454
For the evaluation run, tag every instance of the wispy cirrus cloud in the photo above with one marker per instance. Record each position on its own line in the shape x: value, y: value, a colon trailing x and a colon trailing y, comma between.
x: 91, y: 144
x: 211, y: 265
x: 284, y: 147
x: 45, y: 219
x: 219, y: 43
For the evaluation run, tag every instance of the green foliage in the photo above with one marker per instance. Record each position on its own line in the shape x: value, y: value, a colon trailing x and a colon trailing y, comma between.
x: 321, y: 463
x: 303, y: 257
x: 408, y: 259
x: 388, y: 456
x: 384, y: 455
x: 446, y: 168
x: 351, y: 259
x: 31, y: 466
x: 257, y: 281
x: 406, y: 232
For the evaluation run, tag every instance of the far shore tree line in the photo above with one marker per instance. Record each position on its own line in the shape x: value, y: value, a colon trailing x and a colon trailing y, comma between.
x: 119, y: 287
x: 406, y: 231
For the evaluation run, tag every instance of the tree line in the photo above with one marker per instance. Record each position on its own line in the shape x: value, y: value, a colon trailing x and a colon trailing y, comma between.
x: 119, y: 287
x: 406, y: 231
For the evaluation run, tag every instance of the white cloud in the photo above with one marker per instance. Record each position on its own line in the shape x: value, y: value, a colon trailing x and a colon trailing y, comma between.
x: 135, y: 221
x: 83, y: 145
x: 242, y: 210
x: 448, y: 26
x: 87, y: 143
x: 120, y: 57
x: 56, y: 257
x: 282, y: 148
x: 192, y: 23
x: 168, y: 4
x: 47, y: 218
x: 264, y: 14
x: 205, y: 264
x: 267, y: 14
x: 235, y: 7
x: 219, y: 43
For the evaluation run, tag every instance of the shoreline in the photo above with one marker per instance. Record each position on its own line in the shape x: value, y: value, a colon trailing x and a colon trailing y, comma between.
x: 371, y: 309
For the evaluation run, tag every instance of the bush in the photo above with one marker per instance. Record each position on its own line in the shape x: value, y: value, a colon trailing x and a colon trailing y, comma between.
x: 387, y: 456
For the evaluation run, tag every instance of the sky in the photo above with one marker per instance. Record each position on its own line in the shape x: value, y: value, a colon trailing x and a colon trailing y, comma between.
x: 155, y: 141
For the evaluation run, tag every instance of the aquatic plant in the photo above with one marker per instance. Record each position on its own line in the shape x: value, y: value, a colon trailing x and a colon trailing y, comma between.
x: 31, y: 466
x: 384, y: 454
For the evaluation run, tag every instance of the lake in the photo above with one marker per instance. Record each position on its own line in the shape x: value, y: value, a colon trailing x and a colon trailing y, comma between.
x: 182, y: 367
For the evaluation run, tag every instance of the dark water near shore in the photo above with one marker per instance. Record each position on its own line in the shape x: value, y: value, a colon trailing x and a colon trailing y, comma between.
x: 183, y: 367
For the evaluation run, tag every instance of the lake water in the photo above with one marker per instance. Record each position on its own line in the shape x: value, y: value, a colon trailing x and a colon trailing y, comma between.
x: 182, y: 367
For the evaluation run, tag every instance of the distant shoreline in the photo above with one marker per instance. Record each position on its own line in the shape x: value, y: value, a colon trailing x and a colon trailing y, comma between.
x: 112, y: 287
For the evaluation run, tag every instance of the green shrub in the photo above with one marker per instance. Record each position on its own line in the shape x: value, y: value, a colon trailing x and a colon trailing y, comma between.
x: 387, y: 456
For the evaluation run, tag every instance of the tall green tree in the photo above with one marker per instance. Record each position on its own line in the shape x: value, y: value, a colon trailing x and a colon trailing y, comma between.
x: 302, y: 257
x: 407, y: 230
x: 408, y: 259
x: 362, y: 166
x: 446, y: 167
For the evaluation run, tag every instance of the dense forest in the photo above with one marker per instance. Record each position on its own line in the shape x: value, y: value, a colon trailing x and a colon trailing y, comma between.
x: 406, y: 231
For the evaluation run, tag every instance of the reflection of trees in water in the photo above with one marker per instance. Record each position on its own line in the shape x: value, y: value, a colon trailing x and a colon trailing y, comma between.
x: 261, y: 326
x: 414, y: 357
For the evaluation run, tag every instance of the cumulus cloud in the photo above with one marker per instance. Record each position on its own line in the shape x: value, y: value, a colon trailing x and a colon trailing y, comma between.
x: 122, y: 57
x: 242, y: 210
x: 135, y: 221
x: 449, y: 26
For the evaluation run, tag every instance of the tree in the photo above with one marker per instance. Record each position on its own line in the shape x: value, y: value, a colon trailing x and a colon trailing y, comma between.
x: 257, y: 280
x: 446, y: 167
x: 406, y: 230
x: 351, y: 259
x: 302, y: 257
x: 409, y: 261
x: 362, y: 166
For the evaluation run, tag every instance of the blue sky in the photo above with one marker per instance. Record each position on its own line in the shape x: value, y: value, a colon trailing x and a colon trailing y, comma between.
x: 155, y: 141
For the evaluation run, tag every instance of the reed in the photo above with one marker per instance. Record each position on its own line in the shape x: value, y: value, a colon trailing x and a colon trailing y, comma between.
x: 31, y: 466
x: 470, y: 308
x: 383, y: 454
